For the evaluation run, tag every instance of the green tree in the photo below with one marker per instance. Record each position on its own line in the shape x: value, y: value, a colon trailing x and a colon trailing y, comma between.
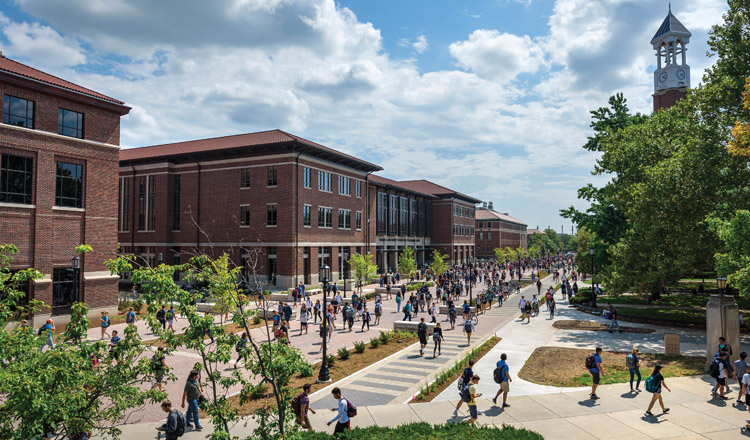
x: 734, y: 261
x: 364, y: 268
x: 407, y: 265
x: 500, y: 255
x: 438, y: 265
x: 58, y: 390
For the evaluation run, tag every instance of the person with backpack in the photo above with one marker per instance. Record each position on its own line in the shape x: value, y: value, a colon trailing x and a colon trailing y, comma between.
x: 192, y: 393
x: 171, y: 316
x: 161, y: 316
x: 113, y: 345
x: 433, y: 314
x: 422, y: 333
x: 718, y: 370
x: 437, y: 337
x: 304, y: 315
x: 452, y: 315
x: 174, y: 428
x: 727, y: 349
x: 407, y: 311
x: 130, y: 317
x: 159, y: 364
x: 552, y: 305
x: 502, y: 378
x: 594, y: 365
x: 345, y: 410
x: 365, y: 319
x: 48, y: 327
x: 653, y: 385
x: 634, y: 367
x: 472, y: 403
x: 301, y: 405
x: 378, y: 312
x: 240, y: 348
x: 463, y: 385
x: 105, y: 323
x: 468, y: 328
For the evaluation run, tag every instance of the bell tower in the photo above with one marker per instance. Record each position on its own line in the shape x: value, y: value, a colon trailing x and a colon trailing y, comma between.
x: 672, y: 75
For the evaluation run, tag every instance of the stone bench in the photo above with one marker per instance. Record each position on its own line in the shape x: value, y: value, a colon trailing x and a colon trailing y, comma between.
x: 394, y: 288
x: 284, y: 297
x: 205, y: 307
x: 411, y: 326
x: 459, y: 309
x: 268, y: 314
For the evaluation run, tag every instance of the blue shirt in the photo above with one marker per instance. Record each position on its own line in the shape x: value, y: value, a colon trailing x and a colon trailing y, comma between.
x: 343, y: 415
x: 502, y: 366
x: 597, y: 361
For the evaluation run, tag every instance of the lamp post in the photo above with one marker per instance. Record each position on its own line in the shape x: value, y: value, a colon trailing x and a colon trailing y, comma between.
x: 721, y: 284
x: 471, y: 282
x: 76, y: 274
x: 324, y: 376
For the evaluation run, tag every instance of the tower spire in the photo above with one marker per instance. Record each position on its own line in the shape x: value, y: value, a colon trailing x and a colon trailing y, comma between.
x: 672, y: 75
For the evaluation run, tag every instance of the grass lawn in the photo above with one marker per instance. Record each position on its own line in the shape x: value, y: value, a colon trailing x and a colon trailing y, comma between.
x: 675, y: 300
x: 686, y: 316
x: 425, y: 431
x: 572, y: 324
x: 564, y: 367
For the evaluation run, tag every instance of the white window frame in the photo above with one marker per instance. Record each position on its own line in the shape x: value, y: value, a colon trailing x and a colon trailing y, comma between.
x: 358, y: 220
x: 347, y: 214
x: 306, y: 177
x: 359, y: 188
x: 326, y: 209
x: 309, y: 209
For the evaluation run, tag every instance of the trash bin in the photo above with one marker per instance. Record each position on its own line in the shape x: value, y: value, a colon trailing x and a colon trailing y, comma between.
x: 671, y: 344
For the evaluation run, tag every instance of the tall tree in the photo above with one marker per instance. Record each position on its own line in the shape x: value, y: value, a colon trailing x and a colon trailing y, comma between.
x: 438, y: 264
x: 364, y: 268
x: 407, y: 265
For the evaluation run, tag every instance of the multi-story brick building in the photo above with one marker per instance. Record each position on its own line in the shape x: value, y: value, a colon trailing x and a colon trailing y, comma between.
x: 59, y: 146
x: 296, y: 203
x: 452, y: 220
x: 498, y: 230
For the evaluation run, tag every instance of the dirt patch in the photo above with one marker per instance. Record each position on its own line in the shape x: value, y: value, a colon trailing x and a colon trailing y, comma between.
x: 338, y: 371
x: 447, y: 377
x: 571, y: 324
x: 564, y: 367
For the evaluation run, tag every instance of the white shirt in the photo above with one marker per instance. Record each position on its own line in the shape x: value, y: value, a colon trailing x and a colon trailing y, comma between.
x: 722, y: 370
x: 522, y: 303
x: 746, y: 379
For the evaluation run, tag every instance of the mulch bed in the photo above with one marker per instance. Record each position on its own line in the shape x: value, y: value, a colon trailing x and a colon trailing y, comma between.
x: 571, y: 324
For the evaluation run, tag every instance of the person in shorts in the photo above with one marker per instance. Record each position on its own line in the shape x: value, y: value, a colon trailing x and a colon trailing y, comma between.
x: 659, y: 381
x: 159, y: 364
x: 740, y: 368
x: 303, y: 408
x: 504, y: 382
x: 597, y: 371
x: 744, y: 382
x: 473, y: 412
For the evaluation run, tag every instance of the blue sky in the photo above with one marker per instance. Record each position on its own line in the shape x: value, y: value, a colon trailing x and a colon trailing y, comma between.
x: 488, y: 97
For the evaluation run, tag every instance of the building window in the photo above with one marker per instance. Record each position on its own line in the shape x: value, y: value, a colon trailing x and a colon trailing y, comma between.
x: 272, y: 176
x: 382, y: 212
x: 146, y: 215
x: 455, y: 210
x: 489, y: 235
x: 324, y: 181
x: 345, y: 186
x: 63, y: 290
x: 393, y: 215
x: 271, y: 214
x: 412, y: 217
x: 16, y: 179
x: 358, y: 219
x: 244, y: 215
x: 345, y: 219
x: 70, y: 123
x: 480, y: 225
x: 245, y: 178
x: 306, y: 176
x: 69, y: 188
x: 480, y: 236
x: 123, y: 220
x: 324, y: 256
x: 325, y: 217
x: 176, y: 192
x: 403, y: 224
x: 359, y: 189
x: 455, y: 229
x: 306, y: 215
x: 472, y: 231
x: 18, y: 111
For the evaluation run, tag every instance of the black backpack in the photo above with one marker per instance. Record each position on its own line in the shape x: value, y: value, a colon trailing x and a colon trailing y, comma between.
x: 41, y: 329
x: 181, y: 423
x: 590, y: 361
x: 465, y: 395
x: 714, y: 370
x: 467, y: 326
x: 351, y: 410
x: 497, y: 375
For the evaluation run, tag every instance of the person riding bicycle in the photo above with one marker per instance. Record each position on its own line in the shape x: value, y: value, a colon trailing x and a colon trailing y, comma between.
x: 535, y: 305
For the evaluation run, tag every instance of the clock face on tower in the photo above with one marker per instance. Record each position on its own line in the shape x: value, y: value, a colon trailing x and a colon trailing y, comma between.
x: 681, y: 74
x: 663, y: 77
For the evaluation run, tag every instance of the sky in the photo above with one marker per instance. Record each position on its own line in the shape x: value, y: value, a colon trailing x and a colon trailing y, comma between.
x: 488, y: 97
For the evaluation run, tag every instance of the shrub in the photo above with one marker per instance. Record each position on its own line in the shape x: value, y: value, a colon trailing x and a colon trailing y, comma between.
x: 257, y: 319
x: 344, y: 353
x: 331, y: 360
x: 259, y: 391
x: 306, y: 370
x: 360, y: 347
x: 384, y: 338
x: 374, y: 342
x: 450, y: 431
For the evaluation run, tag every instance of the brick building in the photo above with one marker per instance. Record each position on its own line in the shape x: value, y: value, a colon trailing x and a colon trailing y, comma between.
x: 498, y: 230
x: 452, y: 220
x: 59, y: 147
x: 296, y: 203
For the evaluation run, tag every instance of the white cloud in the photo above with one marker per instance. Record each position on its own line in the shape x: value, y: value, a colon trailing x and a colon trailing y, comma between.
x: 200, y: 69
x: 497, y: 56
x: 41, y: 43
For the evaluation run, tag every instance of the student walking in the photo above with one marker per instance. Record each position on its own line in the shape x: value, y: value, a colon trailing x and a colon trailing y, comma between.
x: 170, y: 318
x: 422, y: 333
x: 718, y: 370
x: 105, y: 323
x: 468, y: 329
x: 365, y: 320
x: 634, y: 367
x: 301, y: 406
x: 613, y: 320
x: 342, y: 415
x: 316, y: 310
x: 452, y: 315
x: 174, y: 419
x: 407, y: 311
x: 159, y: 364
x: 192, y: 393
x: 48, y: 327
x: 594, y: 365
x: 463, y: 381
x: 653, y: 385
x: 240, y: 348
x: 551, y: 304
x: 740, y: 368
x: 745, y: 381
x: 304, y: 315
x: 502, y: 377
x: 130, y: 317
x: 473, y: 413
x: 378, y: 312
x: 437, y: 337
x: 161, y: 316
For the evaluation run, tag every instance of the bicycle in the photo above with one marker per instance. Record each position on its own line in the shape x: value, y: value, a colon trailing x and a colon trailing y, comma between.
x: 474, y: 318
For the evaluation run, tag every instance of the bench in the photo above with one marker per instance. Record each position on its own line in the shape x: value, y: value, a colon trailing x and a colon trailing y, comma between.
x: 284, y: 297
x: 205, y: 307
x: 394, y: 288
x: 411, y: 326
x: 459, y: 310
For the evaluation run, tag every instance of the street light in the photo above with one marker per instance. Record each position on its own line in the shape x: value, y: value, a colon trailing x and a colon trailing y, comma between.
x: 721, y: 284
x: 324, y: 376
x: 76, y: 272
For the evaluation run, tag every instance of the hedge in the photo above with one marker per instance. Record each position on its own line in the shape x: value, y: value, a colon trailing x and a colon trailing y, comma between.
x: 425, y: 431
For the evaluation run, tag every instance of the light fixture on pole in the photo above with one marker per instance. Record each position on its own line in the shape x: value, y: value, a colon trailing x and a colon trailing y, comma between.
x: 76, y: 273
x: 324, y: 375
x: 721, y: 284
